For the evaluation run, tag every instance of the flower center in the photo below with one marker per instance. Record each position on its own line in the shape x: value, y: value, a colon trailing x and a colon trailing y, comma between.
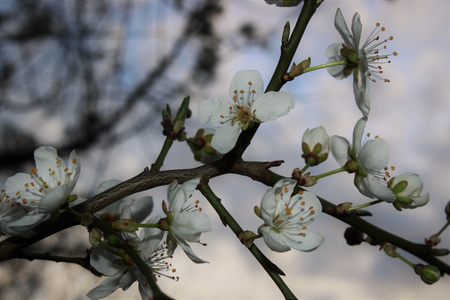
x: 37, y: 187
x: 241, y: 110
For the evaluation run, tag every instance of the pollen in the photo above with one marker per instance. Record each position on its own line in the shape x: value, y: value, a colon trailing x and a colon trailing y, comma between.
x: 250, y: 83
x: 302, y: 203
x: 74, y: 160
x: 285, y: 189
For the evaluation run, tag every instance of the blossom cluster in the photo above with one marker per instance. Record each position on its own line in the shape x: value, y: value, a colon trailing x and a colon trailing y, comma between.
x: 286, y: 209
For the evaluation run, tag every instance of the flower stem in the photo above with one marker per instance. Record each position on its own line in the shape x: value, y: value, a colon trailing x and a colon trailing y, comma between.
x: 364, y: 205
x: 326, y: 65
x: 145, y: 225
x: 156, y: 166
x: 284, y: 62
x: 131, y: 251
x: 341, y: 169
x: 272, y: 270
x: 304, y: 169
x: 405, y: 260
x: 443, y: 228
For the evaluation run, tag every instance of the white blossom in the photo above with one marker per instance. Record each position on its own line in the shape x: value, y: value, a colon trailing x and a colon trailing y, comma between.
x: 45, y: 189
x: 122, y: 274
x: 185, y: 224
x: 315, y: 146
x: 250, y: 104
x: 369, y: 161
x: 361, y: 61
x: 407, y: 189
x: 287, y: 216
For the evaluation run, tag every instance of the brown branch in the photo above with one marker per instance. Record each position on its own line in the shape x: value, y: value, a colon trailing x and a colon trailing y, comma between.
x: 144, y: 181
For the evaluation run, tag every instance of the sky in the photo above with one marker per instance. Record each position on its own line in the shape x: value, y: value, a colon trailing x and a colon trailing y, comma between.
x: 412, y: 113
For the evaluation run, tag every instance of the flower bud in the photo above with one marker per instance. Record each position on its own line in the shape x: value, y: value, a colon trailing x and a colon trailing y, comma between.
x: 390, y: 250
x: 429, y: 273
x: 433, y: 240
x: 127, y: 225
x: 315, y: 146
x: 286, y: 33
x: 297, y: 70
x: 86, y: 219
x: 200, y: 145
x: 115, y: 241
x: 407, y: 188
x: 307, y: 180
x: 257, y: 211
x: 247, y: 237
x: 353, y: 236
x: 342, y: 208
x: 94, y: 237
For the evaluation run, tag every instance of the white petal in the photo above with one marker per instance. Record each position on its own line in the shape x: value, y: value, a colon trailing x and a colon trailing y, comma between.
x: 103, y: 261
x: 53, y: 199
x: 356, y: 30
x: 315, y: 136
x: 333, y: 52
x: 46, y: 158
x: 361, y: 90
x: 210, y: 111
x: 358, y: 132
x: 151, y: 239
x: 241, y: 81
x: 106, y: 185
x: 105, y: 288
x: 374, y: 155
x: 305, y: 204
x: 372, y: 187
x: 339, y: 149
x: 189, y: 225
x: 272, y: 105
x: 269, y: 202
x: 189, y: 252
x: 145, y: 290
x: 226, y: 137
x: 28, y: 221
x: 273, y: 239
x: 17, y: 183
x: 414, y: 184
x: 129, y: 277
x: 308, y: 241
x: 74, y: 168
x: 341, y: 27
x: 141, y: 208
x: 417, y: 201
x: 178, y: 194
